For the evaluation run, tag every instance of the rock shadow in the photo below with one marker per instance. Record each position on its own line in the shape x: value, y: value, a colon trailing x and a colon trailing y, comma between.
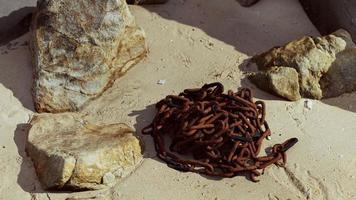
x: 15, y: 24
x: 27, y: 178
x: 144, y: 118
x: 345, y: 101
x: 250, y: 30
x: 16, y: 70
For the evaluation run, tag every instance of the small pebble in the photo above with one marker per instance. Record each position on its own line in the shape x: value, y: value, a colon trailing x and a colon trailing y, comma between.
x: 161, y: 82
x: 109, y: 179
x: 308, y: 104
x: 269, y: 138
x: 3, y: 147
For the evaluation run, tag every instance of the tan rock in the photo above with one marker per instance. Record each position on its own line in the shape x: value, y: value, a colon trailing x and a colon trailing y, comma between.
x: 311, y: 57
x: 69, y: 152
x: 79, y: 49
x: 282, y: 81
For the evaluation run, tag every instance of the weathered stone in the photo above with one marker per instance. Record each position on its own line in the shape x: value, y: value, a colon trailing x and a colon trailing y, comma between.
x: 312, y: 58
x: 341, y: 77
x: 69, y: 152
x: 79, y: 49
x: 282, y: 81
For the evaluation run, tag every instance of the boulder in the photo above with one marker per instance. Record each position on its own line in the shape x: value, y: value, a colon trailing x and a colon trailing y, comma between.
x: 325, y: 67
x: 70, y: 153
x: 79, y: 48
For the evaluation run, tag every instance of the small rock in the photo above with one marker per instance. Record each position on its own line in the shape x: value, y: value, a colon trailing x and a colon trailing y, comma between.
x: 109, y: 179
x: 69, y: 152
x: 324, y: 66
x: 308, y: 104
x: 282, y: 81
x: 269, y: 138
x: 161, y: 82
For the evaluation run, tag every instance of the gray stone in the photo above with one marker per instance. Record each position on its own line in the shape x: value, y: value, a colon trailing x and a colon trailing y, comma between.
x: 69, y: 152
x: 79, y: 49
x: 324, y: 66
x: 341, y: 77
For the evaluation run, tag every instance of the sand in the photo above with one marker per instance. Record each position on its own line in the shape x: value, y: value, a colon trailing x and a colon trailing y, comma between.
x: 192, y: 43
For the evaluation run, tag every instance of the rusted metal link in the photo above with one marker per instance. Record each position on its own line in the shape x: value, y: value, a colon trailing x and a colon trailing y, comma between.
x: 214, y: 133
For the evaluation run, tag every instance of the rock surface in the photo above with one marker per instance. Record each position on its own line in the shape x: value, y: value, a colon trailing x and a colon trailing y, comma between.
x: 324, y: 67
x: 68, y: 152
x: 283, y: 81
x: 79, y: 49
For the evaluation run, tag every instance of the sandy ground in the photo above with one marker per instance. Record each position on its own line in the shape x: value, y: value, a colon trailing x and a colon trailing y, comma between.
x: 192, y: 43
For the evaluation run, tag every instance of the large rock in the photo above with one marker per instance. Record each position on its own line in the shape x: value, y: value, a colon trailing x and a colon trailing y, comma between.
x: 323, y: 66
x: 79, y: 48
x: 330, y: 15
x: 68, y: 152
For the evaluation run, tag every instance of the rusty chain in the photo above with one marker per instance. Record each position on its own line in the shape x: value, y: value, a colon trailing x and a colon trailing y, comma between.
x: 213, y: 133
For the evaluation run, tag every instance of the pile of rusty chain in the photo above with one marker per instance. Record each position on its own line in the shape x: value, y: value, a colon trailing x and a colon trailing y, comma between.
x: 214, y: 133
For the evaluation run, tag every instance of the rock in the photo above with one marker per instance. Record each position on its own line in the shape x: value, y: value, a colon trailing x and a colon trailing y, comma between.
x: 341, y: 77
x: 68, y: 152
x: 282, y: 81
x: 324, y: 67
x: 330, y: 15
x: 79, y: 49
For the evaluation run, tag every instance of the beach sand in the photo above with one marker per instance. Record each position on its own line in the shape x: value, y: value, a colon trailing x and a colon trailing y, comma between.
x: 192, y: 43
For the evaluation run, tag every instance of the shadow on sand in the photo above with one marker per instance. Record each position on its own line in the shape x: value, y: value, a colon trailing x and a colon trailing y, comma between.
x: 250, y: 30
x: 27, y: 178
